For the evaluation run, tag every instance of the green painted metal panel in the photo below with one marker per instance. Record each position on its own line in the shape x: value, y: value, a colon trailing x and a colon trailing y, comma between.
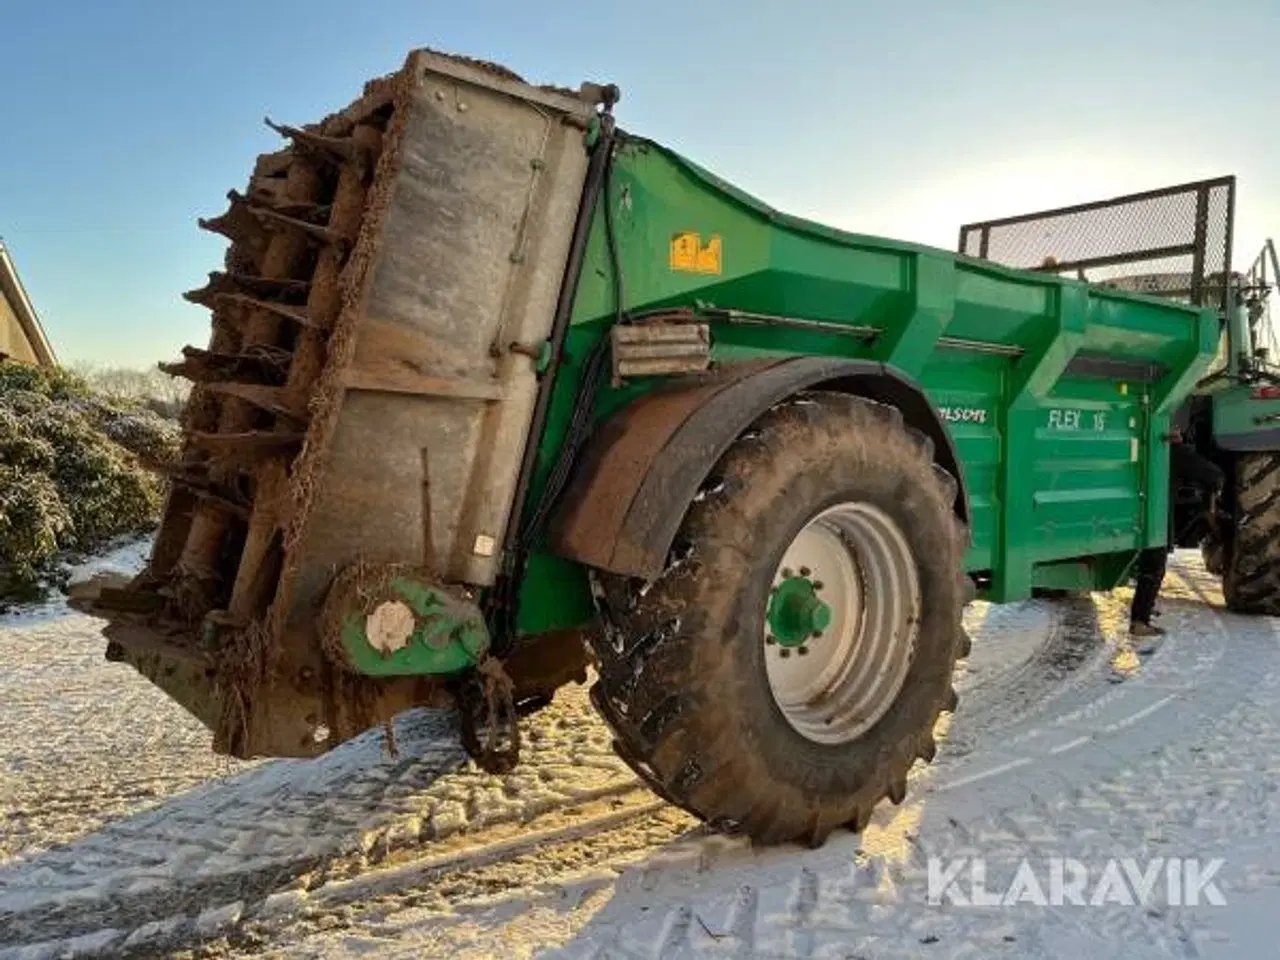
x: 966, y: 387
x: 1067, y: 473
x: 1238, y: 414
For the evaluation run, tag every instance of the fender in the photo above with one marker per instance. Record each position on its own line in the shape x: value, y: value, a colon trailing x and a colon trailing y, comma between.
x: 638, y: 474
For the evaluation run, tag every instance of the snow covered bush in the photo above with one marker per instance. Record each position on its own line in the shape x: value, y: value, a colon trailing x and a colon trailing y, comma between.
x: 76, y: 471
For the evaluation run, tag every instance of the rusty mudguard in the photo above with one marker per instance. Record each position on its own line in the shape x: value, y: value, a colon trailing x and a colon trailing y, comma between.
x: 642, y: 469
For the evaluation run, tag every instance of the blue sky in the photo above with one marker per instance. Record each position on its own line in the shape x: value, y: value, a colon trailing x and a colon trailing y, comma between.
x: 124, y: 121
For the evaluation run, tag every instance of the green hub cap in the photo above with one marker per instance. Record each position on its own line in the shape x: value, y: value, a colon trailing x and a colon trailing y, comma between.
x: 795, y: 612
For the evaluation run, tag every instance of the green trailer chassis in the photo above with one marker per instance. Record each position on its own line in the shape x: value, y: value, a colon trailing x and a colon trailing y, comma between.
x: 1050, y: 399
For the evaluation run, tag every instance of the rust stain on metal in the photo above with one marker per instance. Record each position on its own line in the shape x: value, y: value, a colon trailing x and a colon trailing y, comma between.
x: 664, y: 345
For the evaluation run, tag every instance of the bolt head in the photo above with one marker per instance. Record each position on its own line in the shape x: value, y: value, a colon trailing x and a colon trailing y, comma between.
x: 818, y: 584
x: 805, y: 571
x: 770, y: 640
x: 817, y: 634
x: 784, y: 653
x: 786, y: 573
x: 803, y: 651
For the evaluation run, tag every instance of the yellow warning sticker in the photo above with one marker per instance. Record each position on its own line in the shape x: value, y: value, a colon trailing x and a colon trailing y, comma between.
x: 690, y: 255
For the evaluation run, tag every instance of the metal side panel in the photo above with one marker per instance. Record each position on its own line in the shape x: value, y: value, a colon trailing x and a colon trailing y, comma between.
x: 424, y: 458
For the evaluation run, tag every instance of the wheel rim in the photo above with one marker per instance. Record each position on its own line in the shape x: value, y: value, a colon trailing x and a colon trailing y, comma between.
x: 842, y: 622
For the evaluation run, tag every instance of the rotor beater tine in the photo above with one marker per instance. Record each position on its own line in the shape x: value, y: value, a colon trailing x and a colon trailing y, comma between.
x: 340, y: 149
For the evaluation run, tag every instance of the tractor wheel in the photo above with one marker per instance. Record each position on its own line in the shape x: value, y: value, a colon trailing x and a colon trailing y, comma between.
x: 1214, y: 553
x: 1251, y: 581
x: 788, y: 667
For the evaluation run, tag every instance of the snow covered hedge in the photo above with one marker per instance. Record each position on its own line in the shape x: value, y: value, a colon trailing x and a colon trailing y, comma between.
x: 76, y: 472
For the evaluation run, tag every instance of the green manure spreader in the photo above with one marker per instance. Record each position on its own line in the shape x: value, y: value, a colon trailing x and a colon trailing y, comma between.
x: 499, y: 397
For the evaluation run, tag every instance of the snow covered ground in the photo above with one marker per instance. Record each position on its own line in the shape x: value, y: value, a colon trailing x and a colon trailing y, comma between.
x: 121, y: 834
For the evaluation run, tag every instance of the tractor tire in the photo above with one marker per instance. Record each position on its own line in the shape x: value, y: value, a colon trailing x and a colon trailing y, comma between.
x: 698, y: 669
x: 1251, y: 580
x: 1213, y: 552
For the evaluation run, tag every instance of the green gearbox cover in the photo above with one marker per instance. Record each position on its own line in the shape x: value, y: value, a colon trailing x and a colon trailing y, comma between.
x: 391, y: 621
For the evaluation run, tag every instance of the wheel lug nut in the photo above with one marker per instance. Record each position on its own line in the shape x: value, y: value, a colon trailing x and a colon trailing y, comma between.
x: 770, y: 640
x: 818, y: 584
x: 803, y: 651
x: 805, y: 571
x: 786, y: 573
x: 817, y: 634
x: 784, y: 653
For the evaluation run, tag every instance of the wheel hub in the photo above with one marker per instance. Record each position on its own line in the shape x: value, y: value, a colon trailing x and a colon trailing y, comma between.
x: 795, y: 612
x: 841, y: 622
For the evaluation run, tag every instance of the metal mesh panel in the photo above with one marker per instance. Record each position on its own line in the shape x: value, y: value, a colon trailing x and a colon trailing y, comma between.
x: 1174, y: 242
x: 1259, y: 285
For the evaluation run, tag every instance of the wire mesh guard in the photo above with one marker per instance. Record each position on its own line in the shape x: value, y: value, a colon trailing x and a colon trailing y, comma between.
x: 1259, y: 283
x: 1173, y: 242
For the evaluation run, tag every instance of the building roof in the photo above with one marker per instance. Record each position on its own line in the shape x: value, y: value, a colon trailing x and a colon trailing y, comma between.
x: 12, y: 290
